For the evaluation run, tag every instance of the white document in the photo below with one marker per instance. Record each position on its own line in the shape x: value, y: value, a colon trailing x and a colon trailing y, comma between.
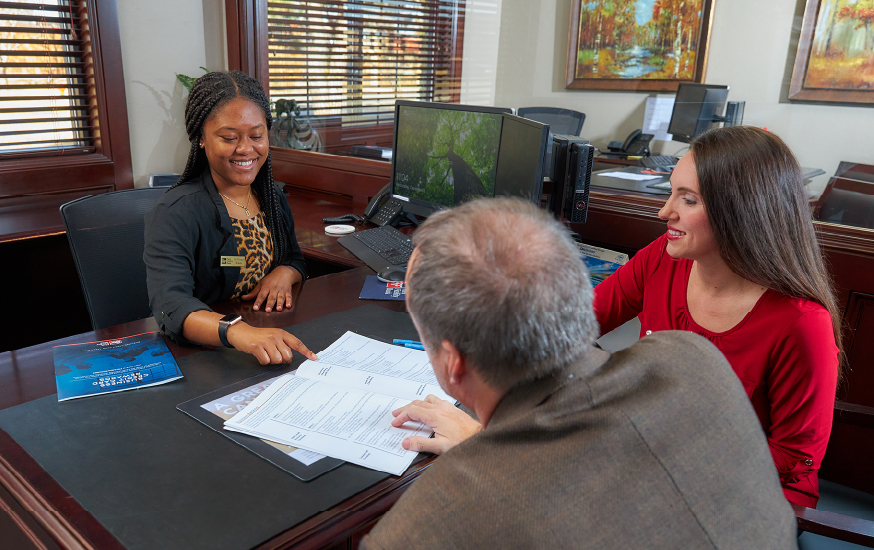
x: 341, y: 404
x: 657, y: 117
x: 628, y: 176
x: 306, y: 457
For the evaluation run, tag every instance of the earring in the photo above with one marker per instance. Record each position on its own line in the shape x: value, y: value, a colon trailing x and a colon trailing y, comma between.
x: 201, y: 145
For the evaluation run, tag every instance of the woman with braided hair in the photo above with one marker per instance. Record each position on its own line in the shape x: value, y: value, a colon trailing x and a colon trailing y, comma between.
x: 224, y: 231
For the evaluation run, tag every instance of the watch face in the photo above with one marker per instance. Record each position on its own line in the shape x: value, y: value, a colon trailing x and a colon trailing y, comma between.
x: 232, y: 318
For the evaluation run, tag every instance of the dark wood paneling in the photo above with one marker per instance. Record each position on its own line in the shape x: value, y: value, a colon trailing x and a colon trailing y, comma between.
x: 849, y: 456
x: 622, y: 222
x: 859, y: 347
x: 357, y: 178
x: 835, y: 526
x: 37, y: 215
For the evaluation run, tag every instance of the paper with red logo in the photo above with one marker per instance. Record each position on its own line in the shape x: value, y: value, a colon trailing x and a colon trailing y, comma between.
x: 107, y: 366
x: 374, y: 289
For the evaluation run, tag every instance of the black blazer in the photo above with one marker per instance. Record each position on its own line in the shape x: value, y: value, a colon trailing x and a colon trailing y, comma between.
x: 187, y: 233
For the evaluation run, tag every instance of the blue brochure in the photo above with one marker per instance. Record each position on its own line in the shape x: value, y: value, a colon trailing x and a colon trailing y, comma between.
x: 601, y: 262
x: 374, y: 289
x: 93, y: 368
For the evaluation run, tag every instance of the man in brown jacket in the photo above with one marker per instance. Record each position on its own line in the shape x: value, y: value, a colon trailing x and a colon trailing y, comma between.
x: 655, y: 446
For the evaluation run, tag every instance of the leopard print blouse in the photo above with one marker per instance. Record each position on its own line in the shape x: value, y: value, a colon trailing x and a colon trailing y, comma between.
x: 253, y: 242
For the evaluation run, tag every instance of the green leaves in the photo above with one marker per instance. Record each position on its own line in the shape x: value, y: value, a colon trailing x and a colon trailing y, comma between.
x: 188, y: 81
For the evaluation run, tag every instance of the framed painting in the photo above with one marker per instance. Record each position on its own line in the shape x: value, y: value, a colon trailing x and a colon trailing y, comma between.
x: 835, y: 58
x: 650, y: 45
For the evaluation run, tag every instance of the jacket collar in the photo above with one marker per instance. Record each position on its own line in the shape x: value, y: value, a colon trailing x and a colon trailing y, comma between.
x: 221, y: 211
x: 526, y: 396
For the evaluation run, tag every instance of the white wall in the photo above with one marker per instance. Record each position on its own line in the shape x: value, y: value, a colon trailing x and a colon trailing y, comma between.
x: 160, y: 38
x: 752, y: 49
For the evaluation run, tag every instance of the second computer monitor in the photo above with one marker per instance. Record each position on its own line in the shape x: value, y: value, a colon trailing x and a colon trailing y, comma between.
x: 444, y: 154
x: 696, y: 108
x: 521, y: 158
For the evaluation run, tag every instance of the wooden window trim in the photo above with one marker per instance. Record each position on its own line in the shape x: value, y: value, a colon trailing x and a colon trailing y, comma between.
x: 32, y: 188
x: 359, y: 178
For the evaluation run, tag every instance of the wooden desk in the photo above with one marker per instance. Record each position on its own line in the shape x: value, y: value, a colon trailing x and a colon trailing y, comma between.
x: 39, y: 511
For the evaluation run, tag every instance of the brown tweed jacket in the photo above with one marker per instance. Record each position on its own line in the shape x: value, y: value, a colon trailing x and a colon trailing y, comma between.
x: 658, y: 447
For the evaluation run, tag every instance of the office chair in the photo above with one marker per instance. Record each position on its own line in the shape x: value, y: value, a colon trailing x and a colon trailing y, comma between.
x: 561, y: 121
x: 106, y: 238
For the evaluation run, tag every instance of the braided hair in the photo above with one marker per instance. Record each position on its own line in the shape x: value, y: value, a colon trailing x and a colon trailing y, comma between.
x: 210, y: 92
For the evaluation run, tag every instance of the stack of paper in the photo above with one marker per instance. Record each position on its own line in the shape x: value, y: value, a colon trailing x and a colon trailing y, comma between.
x: 341, y: 405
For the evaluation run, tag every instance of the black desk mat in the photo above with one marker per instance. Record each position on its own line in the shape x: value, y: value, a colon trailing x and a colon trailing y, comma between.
x: 260, y: 447
x: 156, y: 478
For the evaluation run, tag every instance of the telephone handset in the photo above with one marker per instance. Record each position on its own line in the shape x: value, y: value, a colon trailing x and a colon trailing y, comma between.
x: 384, y: 209
x: 636, y: 144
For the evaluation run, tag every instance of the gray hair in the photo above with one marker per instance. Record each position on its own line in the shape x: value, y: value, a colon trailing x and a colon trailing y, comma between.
x: 504, y: 283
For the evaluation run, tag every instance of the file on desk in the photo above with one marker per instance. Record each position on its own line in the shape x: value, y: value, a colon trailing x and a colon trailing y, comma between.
x: 107, y: 366
x: 341, y: 405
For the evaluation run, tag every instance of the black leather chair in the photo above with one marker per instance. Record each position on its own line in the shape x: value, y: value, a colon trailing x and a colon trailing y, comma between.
x: 561, y: 121
x: 106, y: 238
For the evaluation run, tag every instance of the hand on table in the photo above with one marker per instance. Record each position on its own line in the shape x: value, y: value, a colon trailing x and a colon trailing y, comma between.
x: 268, y: 345
x: 451, y: 425
x: 274, y: 290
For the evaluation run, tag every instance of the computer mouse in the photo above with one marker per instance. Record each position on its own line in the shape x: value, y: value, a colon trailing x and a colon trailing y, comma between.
x: 392, y: 275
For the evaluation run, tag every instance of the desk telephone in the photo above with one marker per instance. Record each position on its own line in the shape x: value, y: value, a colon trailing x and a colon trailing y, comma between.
x: 384, y: 209
x: 636, y: 144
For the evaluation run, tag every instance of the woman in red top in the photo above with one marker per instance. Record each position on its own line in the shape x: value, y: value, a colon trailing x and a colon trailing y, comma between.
x: 740, y: 265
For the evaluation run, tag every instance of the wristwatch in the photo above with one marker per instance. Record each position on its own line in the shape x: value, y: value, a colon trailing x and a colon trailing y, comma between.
x: 225, y: 323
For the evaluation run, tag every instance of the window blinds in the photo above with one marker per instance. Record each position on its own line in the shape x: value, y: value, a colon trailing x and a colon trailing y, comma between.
x: 349, y: 61
x: 46, y: 79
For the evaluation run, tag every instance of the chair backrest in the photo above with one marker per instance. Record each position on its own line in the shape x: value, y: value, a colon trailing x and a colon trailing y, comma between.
x: 106, y: 238
x: 561, y: 121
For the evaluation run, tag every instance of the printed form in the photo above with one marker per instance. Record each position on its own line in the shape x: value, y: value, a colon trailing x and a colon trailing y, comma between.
x: 341, y: 404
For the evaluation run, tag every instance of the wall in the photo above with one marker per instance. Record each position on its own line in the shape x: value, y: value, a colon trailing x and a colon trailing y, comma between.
x: 158, y: 39
x: 752, y: 49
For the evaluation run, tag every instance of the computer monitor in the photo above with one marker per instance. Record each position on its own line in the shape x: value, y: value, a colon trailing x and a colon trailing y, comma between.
x: 521, y: 158
x: 696, y: 108
x: 444, y: 154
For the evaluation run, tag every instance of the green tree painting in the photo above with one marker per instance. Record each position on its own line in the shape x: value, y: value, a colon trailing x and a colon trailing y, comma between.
x: 446, y: 156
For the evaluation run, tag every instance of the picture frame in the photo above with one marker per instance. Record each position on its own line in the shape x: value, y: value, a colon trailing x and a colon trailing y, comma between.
x: 636, y: 65
x: 822, y: 70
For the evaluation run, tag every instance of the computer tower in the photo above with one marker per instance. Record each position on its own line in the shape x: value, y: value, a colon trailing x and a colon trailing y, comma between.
x: 734, y: 113
x: 559, y: 171
x: 579, y: 178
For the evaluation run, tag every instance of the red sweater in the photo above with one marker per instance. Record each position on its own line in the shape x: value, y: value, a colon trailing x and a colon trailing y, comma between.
x: 783, y: 351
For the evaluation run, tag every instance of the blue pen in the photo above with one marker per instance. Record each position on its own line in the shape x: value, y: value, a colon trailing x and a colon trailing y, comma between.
x: 415, y: 346
x: 402, y: 342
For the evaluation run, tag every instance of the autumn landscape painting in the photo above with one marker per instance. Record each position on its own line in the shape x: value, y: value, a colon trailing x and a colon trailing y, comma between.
x: 842, y: 52
x: 638, y: 39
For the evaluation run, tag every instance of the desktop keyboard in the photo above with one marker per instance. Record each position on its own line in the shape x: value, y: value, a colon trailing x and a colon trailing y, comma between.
x: 659, y: 161
x: 380, y: 248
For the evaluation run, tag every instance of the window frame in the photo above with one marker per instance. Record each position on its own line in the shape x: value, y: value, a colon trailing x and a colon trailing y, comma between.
x: 32, y: 187
x: 352, y: 177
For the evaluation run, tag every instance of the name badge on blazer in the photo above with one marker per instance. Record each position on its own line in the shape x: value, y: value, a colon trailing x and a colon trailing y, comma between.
x: 233, y: 261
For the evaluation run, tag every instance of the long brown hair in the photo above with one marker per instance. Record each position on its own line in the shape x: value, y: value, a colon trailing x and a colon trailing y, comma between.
x: 753, y: 190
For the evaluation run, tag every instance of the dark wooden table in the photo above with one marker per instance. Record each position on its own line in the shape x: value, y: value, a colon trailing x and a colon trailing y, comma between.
x: 38, y: 511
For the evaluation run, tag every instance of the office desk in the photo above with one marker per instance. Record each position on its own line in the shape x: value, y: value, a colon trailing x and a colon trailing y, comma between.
x: 39, y: 509
x: 600, y: 179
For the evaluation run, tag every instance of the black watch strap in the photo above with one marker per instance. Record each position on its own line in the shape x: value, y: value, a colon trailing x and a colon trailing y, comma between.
x: 225, y: 323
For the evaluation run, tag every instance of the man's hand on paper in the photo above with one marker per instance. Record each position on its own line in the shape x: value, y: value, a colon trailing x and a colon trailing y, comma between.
x: 451, y: 425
